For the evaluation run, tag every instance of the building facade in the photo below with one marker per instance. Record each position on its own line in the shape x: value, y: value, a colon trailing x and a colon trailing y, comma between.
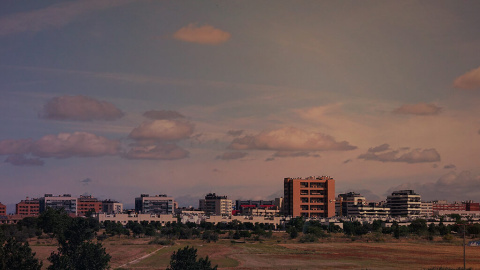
x: 347, y: 204
x: 28, y: 207
x: 312, y: 197
x: 65, y: 201
x: 3, y: 209
x: 404, y: 203
x: 216, y: 205
x: 112, y: 207
x: 159, y: 204
x: 88, y: 204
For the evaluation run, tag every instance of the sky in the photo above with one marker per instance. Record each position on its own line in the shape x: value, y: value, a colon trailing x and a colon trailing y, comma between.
x: 116, y: 98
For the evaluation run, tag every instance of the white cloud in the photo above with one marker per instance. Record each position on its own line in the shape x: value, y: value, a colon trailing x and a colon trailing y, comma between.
x: 205, y: 34
x: 469, y: 80
x: 290, y: 139
x: 418, y: 109
x: 162, y: 130
x: 80, y: 108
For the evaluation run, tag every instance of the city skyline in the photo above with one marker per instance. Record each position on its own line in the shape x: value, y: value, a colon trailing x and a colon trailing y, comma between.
x: 117, y: 98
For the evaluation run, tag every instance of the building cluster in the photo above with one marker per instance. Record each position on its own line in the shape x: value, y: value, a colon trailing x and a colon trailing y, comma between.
x: 311, y: 198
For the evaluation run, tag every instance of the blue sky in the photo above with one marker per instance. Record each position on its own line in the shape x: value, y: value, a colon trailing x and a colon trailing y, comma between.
x: 119, y: 97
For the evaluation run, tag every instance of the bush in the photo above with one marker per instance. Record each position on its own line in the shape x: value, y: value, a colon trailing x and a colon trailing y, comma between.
x: 308, y: 238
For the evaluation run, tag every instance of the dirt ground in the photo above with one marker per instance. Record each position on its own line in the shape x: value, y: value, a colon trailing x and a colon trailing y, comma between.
x: 290, y: 254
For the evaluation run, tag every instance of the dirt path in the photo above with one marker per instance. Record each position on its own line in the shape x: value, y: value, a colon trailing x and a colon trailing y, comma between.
x: 141, y: 258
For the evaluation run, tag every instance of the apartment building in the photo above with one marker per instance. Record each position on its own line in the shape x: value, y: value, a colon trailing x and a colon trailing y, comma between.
x: 87, y: 203
x: 347, y: 204
x: 28, y: 207
x: 373, y: 209
x: 65, y: 201
x: 3, y: 209
x: 216, y: 205
x: 312, y: 197
x: 404, y: 203
x: 158, y: 204
x: 112, y: 207
x: 426, y: 209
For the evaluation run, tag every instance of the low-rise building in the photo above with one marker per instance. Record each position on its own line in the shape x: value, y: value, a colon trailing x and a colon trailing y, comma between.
x: 87, y: 203
x: 133, y: 217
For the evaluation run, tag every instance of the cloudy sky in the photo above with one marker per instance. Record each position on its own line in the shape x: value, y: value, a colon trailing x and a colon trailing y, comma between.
x: 120, y: 97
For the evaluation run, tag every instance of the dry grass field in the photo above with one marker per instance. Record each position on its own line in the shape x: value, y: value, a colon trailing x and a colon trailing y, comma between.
x: 278, y: 253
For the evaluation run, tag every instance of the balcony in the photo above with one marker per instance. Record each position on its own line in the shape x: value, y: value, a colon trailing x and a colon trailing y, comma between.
x: 317, y: 192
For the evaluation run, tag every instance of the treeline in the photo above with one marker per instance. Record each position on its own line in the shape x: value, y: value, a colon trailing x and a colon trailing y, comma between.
x: 76, y: 248
x: 313, y: 230
x: 165, y: 234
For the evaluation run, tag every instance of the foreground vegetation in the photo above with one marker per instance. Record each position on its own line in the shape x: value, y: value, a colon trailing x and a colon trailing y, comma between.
x: 56, y: 241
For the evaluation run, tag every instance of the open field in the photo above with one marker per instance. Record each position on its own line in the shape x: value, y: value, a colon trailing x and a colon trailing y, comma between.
x: 277, y: 253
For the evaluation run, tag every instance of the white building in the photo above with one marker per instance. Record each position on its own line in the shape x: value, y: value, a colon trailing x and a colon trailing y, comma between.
x: 404, y: 203
x: 159, y: 204
x: 65, y: 201
x: 216, y: 205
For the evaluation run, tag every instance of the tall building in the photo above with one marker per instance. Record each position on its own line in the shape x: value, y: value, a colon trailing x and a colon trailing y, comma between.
x: 309, y: 197
x: 159, y: 204
x: 88, y: 203
x: 28, y: 207
x: 3, y: 209
x: 404, y: 203
x: 216, y: 205
x: 112, y: 207
x: 65, y: 201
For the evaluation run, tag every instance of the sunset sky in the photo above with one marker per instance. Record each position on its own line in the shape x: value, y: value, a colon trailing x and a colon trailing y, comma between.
x: 115, y: 98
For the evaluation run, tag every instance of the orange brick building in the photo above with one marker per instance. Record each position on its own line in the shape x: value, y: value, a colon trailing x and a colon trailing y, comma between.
x: 310, y: 197
x: 28, y: 207
x: 3, y: 210
x: 87, y: 203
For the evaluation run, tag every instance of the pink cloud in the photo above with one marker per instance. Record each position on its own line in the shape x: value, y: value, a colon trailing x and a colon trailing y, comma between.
x: 157, y: 152
x: 77, y: 144
x: 80, y: 108
x: 163, y: 114
x: 162, y: 130
x: 21, y: 160
x: 469, y: 80
x: 290, y: 139
x: 231, y: 155
x: 418, y: 109
x: 15, y: 147
x: 414, y: 156
x: 205, y: 34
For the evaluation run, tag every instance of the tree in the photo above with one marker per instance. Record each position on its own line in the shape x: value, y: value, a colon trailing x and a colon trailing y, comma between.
x: 76, y: 250
x: 17, y: 256
x: 87, y: 255
x: 186, y: 259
